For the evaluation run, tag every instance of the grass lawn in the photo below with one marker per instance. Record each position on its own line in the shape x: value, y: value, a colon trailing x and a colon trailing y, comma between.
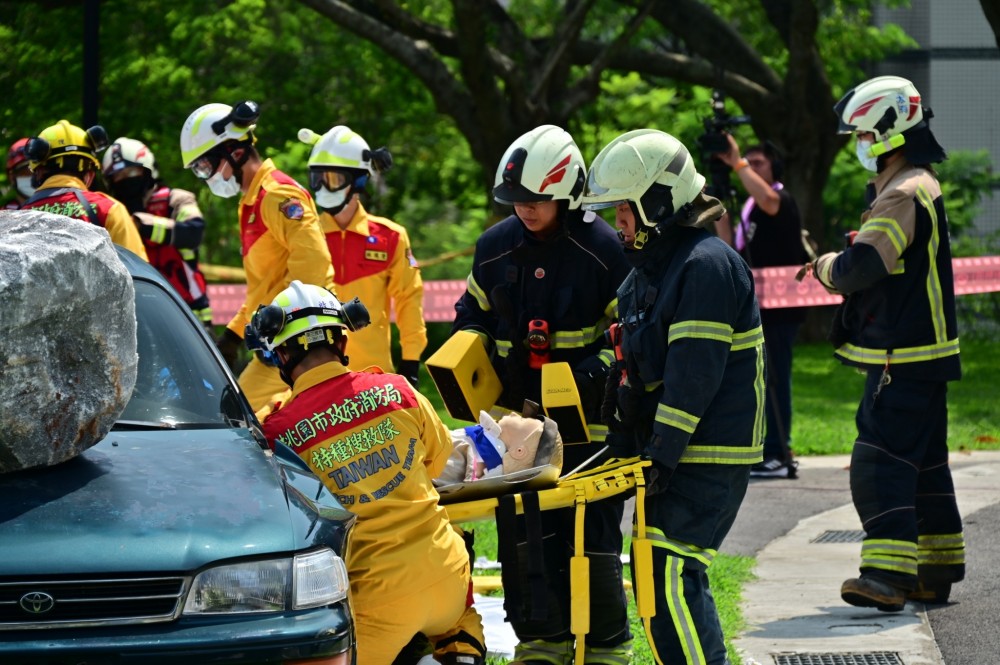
x: 825, y: 397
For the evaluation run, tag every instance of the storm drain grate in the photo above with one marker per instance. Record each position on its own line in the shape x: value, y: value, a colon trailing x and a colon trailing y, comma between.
x: 871, y: 658
x: 839, y: 537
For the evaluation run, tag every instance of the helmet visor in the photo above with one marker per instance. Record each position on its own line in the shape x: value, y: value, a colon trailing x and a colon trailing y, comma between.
x: 602, y: 205
x: 331, y: 179
x: 118, y: 174
x: 206, y: 165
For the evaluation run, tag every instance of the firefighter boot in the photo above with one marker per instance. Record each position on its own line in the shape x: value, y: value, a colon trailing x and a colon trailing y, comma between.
x: 539, y: 652
x: 931, y: 593
x: 867, y: 591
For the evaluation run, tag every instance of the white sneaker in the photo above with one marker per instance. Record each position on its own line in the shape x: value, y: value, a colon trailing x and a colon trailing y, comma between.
x: 773, y: 467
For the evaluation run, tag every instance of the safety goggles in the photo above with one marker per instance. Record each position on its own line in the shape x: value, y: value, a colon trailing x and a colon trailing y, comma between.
x: 331, y: 180
x: 206, y: 165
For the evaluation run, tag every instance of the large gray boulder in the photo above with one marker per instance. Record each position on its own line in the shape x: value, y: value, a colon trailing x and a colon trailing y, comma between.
x: 67, y: 338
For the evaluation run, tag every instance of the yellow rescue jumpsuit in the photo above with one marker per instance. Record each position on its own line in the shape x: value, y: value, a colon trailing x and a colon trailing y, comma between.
x: 376, y: 443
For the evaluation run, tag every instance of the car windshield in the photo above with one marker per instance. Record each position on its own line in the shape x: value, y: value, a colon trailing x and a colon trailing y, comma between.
x: 179, y: 383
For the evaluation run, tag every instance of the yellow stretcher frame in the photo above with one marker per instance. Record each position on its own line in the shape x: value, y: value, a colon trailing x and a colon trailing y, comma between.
x: 614, y: 477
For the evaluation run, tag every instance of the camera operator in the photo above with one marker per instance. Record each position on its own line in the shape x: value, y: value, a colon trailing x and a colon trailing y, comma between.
x: 769, y: 233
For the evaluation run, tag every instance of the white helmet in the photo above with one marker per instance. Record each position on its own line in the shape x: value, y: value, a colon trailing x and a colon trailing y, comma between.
x: 648, y: 168
x: 338, y: 148
x: 127, y: 153
x: 300, y: 314
x: 887, y: 106
x: 214, y: 124
x: 542, y: 165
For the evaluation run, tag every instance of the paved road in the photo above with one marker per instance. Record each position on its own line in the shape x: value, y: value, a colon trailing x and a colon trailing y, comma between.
x: 794, y: 607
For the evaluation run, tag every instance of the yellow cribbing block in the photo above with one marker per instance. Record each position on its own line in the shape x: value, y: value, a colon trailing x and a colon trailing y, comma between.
x: 561, y: 401
x: 464, y: 376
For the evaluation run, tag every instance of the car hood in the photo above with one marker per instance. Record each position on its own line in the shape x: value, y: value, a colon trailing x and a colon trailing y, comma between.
x: 138, y: 501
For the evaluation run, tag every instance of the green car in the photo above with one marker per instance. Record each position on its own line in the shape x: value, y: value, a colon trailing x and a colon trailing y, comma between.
x: 180, y: 537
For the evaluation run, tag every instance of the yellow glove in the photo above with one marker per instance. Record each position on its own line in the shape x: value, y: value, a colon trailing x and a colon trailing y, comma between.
x: 823, y: 271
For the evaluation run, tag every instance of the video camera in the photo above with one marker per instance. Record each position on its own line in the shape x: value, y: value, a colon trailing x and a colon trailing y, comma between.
x: 714, y: 141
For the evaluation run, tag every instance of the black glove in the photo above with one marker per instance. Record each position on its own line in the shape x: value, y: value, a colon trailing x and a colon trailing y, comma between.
x: 410, y: 370
x: 229, y: 344
x: 657, y: 477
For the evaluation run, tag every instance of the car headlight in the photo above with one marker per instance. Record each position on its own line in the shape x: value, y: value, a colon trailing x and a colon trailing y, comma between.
x: 306, y: 580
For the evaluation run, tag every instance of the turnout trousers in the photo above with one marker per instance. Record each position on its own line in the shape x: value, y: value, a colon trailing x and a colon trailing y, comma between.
x: 687, y: 523
x: 901, y: 484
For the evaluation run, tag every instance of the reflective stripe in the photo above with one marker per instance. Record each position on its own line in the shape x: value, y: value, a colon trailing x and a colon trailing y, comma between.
x: 935, y: 294
x: 672, y: 417
x: 697, y: 454
x: 899, y: 269
x: 941, y: 550
x: 890, y: 228
x: 657, y: 537
x: 554, y: 653
x: 606, y: 356
x: 159, y: 233
x: 476, y: 292
x: 759, y: 390
x: 616, y: 655
x: 597, y: 432
x: 721, y: 332
x: 571, y: 339
x: 611, y: 311
x: 684, y: 624
x: 913, y: 354
x: 748, y: 339
x: 894, y: 555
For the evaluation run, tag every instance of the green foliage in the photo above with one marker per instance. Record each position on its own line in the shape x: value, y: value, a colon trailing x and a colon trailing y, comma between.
x: 966, y: 176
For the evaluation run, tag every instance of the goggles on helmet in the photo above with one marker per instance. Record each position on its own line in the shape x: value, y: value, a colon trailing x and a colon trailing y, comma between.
x: 332, y: 179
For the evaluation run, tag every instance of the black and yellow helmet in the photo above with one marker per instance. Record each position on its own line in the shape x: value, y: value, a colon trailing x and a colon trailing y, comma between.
x: 62, y: 140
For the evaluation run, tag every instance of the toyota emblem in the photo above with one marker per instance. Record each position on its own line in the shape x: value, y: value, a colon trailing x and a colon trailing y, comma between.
x: 37, y: 602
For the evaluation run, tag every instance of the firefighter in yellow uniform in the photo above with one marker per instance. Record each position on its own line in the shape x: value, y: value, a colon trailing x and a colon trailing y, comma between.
x: 372, y: 257
x: 376, y: 443
x: 280, y: 236
x: 63, y: 162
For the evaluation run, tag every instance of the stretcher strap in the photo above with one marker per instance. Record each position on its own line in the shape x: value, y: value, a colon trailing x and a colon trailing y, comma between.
x: 506, y: 512
x: 579, y: 578
x: 536, y: 555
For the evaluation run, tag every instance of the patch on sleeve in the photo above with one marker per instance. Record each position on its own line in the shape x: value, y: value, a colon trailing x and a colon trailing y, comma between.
x: 292, y: 208
x: 412, y: 259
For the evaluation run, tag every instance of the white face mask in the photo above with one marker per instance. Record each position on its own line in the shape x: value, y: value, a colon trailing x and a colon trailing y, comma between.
x: 332, y: 201
x: 23, y: 185
x: 224, y: 187
x: 863, y: 150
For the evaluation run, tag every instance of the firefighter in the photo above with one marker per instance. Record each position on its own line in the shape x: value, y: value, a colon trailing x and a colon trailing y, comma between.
x: 549, y: 273
x: 169, y: 220
x: 18, y: 175
x: 691, y: 399
x: 376, y: 443
x: 897, y: 324
x: 372, y: 257
x: 280, y: 235
x: 63, y: 162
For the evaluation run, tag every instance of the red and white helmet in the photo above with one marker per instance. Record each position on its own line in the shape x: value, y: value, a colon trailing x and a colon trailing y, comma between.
x: 887, y: 106
x: 544, y: 164
x: 126, y: 153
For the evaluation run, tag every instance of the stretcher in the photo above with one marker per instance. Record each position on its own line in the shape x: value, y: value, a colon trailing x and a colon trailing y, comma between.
x: 613, y: 478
